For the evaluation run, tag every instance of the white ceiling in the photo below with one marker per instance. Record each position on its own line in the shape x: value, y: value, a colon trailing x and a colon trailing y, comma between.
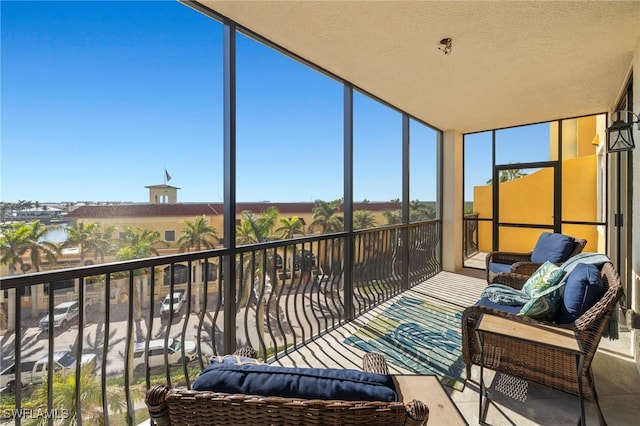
x: 512, y: 63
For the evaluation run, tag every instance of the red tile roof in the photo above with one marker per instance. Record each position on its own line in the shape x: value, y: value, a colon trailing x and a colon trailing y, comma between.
x: 197, y: 209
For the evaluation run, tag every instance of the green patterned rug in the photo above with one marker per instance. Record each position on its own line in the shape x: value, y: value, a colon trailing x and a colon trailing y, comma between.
x: 420, y: 336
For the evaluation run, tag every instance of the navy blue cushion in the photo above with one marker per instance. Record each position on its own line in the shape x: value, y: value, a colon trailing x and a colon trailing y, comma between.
x: 554, y: 248
x: 583, y: 289
x: 505, y: 308
x: 303, y: 383
x: 499, y: 267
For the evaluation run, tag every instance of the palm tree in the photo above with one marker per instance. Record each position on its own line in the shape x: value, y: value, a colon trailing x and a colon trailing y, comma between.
x: 197, y: 235
x: 12, y: 247
x: 80, y: 235
x: 101, y: 242
x: 393, y: 217
x: 363, y: 219
x: 508, y: 175
x: 139, y: 244
x: 64, y: 391
x: 289, y: 227
x: 38, y: 249
x: 420, y: 210
x: 325, y: 216
x: 252, y: 230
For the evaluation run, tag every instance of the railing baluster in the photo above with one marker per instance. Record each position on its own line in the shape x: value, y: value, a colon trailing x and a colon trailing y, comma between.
x: 295, y: 312
x: 105, y: 347
x: 129, y: 350
x: 78, y: 353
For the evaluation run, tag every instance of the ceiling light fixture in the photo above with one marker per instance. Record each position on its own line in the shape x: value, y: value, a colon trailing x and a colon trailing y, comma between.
x: 445, y: 45
x: 620, y: 134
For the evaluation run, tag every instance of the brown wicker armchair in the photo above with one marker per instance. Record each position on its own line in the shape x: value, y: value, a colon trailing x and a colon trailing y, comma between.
x: 536, y: 363
x: 521, y: 262
x: 189, y: 407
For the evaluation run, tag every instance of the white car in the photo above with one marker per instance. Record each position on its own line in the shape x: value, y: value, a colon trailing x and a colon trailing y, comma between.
x: 63, y: 314
x: 179, y: 298
x: 157, y: 350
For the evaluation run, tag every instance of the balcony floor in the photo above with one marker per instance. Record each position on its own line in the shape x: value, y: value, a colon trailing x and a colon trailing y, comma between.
x: 616, y: 375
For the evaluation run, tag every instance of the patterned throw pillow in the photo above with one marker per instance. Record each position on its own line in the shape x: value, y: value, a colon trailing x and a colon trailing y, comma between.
x: 545, y: 304
x: 544, y: 277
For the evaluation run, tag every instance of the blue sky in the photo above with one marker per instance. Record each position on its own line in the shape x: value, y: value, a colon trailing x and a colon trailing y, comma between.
x: 98, y: 98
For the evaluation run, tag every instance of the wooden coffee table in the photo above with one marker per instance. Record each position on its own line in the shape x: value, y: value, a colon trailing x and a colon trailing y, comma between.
x: 429, y: 390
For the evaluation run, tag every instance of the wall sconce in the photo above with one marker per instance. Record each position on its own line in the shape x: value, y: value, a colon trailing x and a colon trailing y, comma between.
x: 620, y: 134
x: 445, y: 45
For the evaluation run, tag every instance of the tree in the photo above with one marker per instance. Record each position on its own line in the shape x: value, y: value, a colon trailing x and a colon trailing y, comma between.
x: 64, y: 392
x: 39, y: 248
x: 101, y: 242
x: 508, y: 175
x: 197, y: 235
x: 363, y: 219
x: 393, y: 217
x: 138, y: 244
x: 80, y: 235
x: 289, y: 227
x: 420, y: 210
x: 325, y: 216
x: 252, y: 230
x: 13, y: 245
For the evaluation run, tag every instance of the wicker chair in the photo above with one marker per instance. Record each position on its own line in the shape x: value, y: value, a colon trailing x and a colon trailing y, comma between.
x: 542, y: 365
x: 189, y: 407
x: 521, y: 262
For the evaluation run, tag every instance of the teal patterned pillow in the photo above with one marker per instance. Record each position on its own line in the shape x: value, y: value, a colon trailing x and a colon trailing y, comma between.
x: 544, y: 277
x: 544, y: 305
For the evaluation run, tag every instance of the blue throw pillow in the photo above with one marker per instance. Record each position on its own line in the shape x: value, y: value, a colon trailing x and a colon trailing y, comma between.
x: 583, y: 289
x: 555, y: 248
x: 303, y: 383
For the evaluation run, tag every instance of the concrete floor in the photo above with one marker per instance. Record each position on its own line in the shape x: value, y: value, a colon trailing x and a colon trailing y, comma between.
x: 616, y: 376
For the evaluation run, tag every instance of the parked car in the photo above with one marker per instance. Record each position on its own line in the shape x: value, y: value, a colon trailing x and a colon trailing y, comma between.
x: 63, y: 314
x: 35, y: 371
x: 179, y: 297
x: 157, y: 350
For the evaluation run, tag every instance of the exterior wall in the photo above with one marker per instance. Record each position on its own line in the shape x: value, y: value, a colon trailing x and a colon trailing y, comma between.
x: 579, y: 198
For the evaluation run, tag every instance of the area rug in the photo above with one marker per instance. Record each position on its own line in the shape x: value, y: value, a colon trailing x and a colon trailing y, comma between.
x: 423, y: 337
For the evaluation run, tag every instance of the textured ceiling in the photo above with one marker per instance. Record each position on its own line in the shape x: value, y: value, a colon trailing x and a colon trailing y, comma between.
x: 512, y: 63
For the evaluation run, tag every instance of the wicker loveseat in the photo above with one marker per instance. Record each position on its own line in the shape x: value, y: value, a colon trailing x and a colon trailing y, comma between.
x: 190, y: 407
x: 541, y: 364
x: 522, y: 263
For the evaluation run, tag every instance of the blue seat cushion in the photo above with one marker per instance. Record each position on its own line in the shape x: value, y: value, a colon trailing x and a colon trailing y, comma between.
x: 583, y: 290
x: 505, y: 308
x: 499, y: 267
x: 291, y: 382
x: 555, y: 248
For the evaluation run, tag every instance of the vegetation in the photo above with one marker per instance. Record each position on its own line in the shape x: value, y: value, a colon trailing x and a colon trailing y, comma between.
x: 197, y: 235
x: 325, y: 217
x: 508, y: 175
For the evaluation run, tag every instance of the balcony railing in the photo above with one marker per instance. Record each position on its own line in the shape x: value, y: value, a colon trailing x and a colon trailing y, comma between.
x: 274, y: 296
